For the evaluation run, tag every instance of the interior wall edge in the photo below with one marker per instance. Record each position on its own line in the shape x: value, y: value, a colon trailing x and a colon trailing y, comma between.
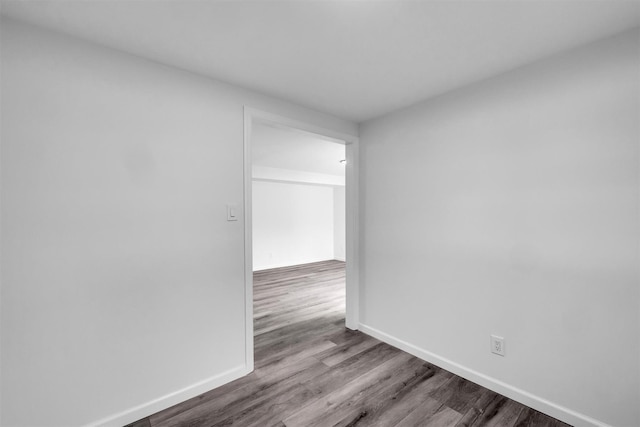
x: 522, y: 396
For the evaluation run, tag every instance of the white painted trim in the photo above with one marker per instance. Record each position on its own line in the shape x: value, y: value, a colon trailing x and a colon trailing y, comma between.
x: 252, y: 115
x: 352, y: 320
x: 268, y: 174
x: 536, y: 402
x: 141, y: 411
x: 248, y: 240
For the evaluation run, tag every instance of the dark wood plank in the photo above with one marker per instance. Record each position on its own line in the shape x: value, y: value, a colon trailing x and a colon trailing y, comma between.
x: 395, y: 413
x: 294, y: 337
x: 344, y: 351
x: 283, y: 361
x: 140, y: 423
x: 477, y: 409
x: 500, y: 412
x: 458, y: 394
x: 430, y: 412
x: 350, y: 369
x: 332, y: 408
x: 532, y: 418
x: 444, y: 416
x: 269, y: 412
x: 392, y: 403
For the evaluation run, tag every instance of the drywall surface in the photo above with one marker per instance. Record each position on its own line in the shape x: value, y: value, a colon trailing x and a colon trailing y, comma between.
x: 122, y: 281
x: 292, y: 224
x: 339, y: 223
x: 510, y: 207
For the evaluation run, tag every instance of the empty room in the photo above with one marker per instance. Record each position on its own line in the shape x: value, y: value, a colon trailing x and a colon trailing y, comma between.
x: 466, y: 253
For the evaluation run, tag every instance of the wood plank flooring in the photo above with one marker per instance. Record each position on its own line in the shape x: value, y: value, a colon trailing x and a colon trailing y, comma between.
x: 311, y: 371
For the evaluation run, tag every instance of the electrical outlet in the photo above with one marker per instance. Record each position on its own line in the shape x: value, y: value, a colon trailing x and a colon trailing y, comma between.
x: 497, y: 345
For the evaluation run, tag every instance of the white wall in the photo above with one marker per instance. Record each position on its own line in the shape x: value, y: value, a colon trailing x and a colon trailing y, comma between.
x: 339, y: 225
x: 122, y: 281
x: 292, y: 224
x: 511, y: 207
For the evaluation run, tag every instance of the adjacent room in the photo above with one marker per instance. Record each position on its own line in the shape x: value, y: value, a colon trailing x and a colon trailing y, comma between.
x: 298, y: 231
x: 319, y: 213
x: 298, y: 198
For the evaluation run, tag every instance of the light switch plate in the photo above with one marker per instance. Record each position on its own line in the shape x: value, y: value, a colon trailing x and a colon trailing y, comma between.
x: 232, y: 212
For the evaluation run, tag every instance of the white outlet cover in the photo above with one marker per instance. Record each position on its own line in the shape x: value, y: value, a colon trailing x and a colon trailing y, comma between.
x: 497, y: 345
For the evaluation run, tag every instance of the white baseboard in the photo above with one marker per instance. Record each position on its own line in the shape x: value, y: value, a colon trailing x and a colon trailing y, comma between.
x: 138, y: 412
x: 538, y: 403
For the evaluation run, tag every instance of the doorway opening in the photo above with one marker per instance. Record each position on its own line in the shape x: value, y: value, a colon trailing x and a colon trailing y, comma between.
x: 300, y: 230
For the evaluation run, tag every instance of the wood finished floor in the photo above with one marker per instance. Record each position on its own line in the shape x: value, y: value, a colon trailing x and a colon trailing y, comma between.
x: 311, y: 371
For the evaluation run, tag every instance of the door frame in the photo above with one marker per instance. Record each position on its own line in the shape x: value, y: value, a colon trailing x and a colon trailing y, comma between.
x: 352, y: 287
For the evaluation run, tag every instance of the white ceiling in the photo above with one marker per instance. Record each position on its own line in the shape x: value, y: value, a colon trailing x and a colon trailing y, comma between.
x: 352, y: 59
x: 295, y: 150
